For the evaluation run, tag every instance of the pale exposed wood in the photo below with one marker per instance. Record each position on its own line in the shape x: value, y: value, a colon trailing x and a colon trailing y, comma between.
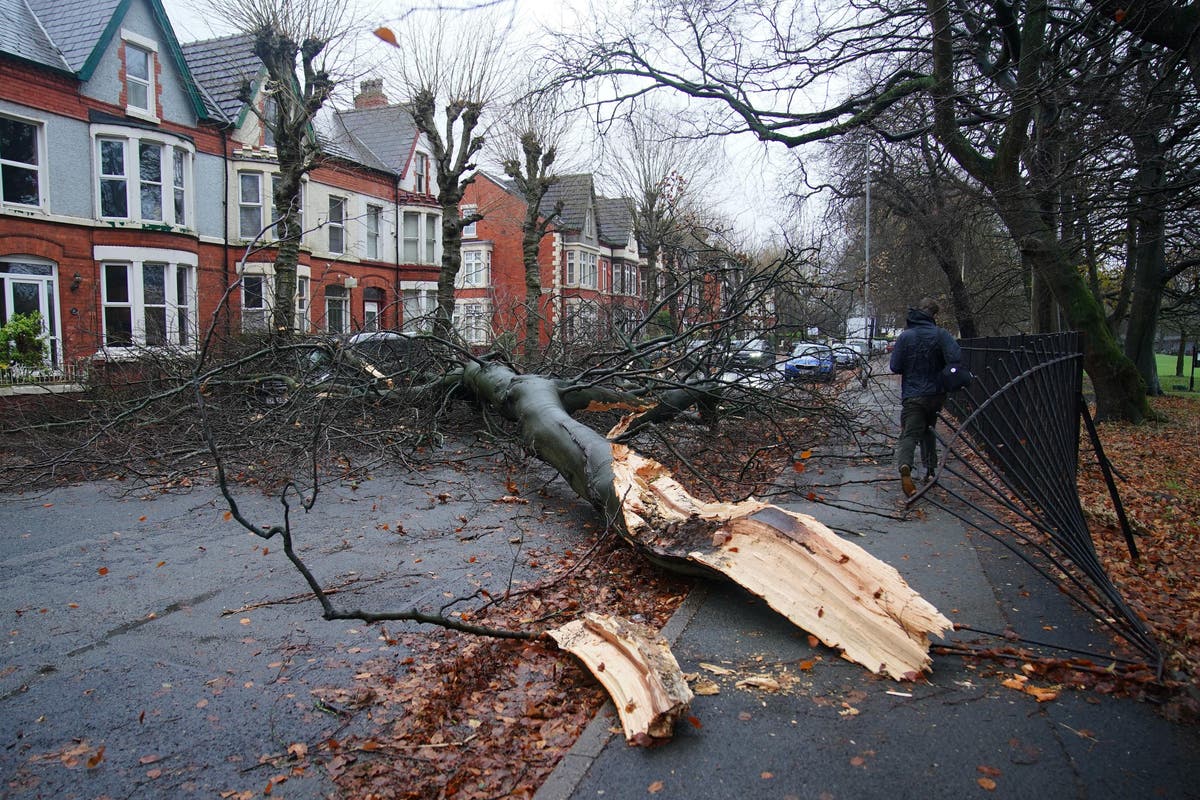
x: 635, y: 666
x: 827, y: 586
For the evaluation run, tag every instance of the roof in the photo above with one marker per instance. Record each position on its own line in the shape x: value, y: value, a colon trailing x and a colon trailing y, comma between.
x: 220, y: 66
x: 381, y: 137
x: 615, y: 218
x: 23, y: 36
x: 576, y: 194
x: 77, y: 27
x: 73, y: 35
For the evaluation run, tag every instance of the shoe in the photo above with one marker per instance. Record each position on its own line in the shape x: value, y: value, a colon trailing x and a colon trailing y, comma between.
x: 928, y: 476
x: 906, y: 481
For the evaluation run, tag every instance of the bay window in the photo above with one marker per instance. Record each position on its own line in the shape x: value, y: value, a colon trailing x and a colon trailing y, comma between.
x: 143, y: 177
x: 473, y: 273
x: 258, y: 297
x: 148, y: 297
x: 471, y: 321
x: 420, y: 237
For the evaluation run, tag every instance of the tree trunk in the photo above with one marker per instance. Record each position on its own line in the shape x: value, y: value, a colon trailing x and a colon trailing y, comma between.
x: 829, y: 587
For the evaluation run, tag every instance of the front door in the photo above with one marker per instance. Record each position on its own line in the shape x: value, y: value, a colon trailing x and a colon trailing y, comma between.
x: 27, y: 289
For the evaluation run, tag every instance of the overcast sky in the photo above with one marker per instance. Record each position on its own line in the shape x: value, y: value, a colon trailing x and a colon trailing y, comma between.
x: 743, y: 189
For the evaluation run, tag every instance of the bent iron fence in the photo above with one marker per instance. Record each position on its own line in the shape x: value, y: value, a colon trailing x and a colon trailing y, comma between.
x: 1013, y: 438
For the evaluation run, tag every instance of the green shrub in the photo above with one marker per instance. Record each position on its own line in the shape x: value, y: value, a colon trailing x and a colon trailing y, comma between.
x: 21, y: 341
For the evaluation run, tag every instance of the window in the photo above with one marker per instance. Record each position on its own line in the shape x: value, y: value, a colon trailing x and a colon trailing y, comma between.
x: 431, y: 237
x: 250, y: 204
x: 148, y: 297
x: 372, y: 307
x: 337, y: 309
x: 583, y: 275
x: 474, y: 270
x: 179, y: 184
x: 471, y: 322
x: 275, y: 233
x: 421, y: 173
x: 258, y: 296
x: 420, y: 238
x: 270, y: 110
x: 144, y: 178
x: 469, y: 231
x: 374, y: 213
x: 589, y: 225
x: 139, y: 79
x: 150, y: 180
x: 618, y: 282
x: 419, y: 308
x: 20, y: 162
x: 337, y: 224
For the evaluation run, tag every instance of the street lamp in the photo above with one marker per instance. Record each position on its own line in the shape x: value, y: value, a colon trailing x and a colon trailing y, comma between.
x: 867, y: 256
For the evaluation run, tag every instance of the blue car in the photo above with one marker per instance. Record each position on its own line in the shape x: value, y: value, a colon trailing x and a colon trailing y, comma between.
x: 810, y: 361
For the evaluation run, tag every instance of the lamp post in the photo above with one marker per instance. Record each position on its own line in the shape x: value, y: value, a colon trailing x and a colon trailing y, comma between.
x: 867, y: 256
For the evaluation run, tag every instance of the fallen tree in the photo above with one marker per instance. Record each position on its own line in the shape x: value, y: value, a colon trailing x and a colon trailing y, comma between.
x: 831, y: 588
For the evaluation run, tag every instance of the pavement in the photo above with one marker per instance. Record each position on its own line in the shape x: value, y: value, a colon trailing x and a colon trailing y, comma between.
x: 837, y: 731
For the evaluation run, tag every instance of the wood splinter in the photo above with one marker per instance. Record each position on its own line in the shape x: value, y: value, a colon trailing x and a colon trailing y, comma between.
x: 637, y: 669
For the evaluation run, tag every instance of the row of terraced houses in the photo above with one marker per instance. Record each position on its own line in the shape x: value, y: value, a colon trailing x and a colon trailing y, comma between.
x: 135, y: 182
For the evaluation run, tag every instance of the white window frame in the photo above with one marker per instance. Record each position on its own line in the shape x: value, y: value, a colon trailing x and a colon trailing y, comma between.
x: 337, y: 306
x: 469, y: 231
x: 179, y: 314
x: 571, y: 274
x: 252, y: 205
x: 150, y: 47
x: 420, y: 244
x: 265, y: 271
x: 46, y: 277
x: 337, y: 224
x: 418, y: 305
x: 475, y: 270
x: 38, y: 167
x: 586, y: 272
x: 373, y: 223
x: 421, y: 173
x: 130, y: 141
x: 473, y: 320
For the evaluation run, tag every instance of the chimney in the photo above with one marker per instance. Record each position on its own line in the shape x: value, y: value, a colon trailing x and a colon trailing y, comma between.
x: 371, y: 94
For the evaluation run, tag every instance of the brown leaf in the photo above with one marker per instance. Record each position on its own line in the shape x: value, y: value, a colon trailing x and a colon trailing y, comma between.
x: 987, y: 783
x: 149, y: 759
x: 95, y: 760
x: 655, y: 787
x: 386, y: 35
x: 102, y: 571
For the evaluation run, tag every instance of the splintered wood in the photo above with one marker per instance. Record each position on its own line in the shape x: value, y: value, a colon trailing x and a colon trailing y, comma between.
x: 636, y: 668
x: 827, y: 586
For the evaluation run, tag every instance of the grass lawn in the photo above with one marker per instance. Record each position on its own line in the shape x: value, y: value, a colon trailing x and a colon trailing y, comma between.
x: 1173, y: 385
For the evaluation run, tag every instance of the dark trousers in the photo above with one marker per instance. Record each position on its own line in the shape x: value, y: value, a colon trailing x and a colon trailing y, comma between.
x: 918, y: 415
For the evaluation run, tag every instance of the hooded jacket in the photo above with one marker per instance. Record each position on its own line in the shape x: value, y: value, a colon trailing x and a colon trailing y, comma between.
x: 921, y: 351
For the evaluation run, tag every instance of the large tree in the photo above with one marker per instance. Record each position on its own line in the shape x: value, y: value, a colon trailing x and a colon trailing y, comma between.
x: 986, y: 68
x: 451, y: 64
x: 293, y: 39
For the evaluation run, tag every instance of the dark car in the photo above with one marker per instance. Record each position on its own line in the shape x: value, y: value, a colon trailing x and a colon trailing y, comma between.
x: 810, y: 361
x: 751, y: 355
x: 371, y: 362
x: 847, y: 355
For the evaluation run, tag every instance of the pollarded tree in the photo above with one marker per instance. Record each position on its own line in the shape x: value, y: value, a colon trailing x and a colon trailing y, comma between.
x: 293, y: 39
x: 455, y: 59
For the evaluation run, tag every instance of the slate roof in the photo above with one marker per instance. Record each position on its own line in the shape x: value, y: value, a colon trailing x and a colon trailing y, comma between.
x: 75, y: 27
x: 220, y: 66
x: 23, y: 36
x: 614, y: 215
x: 575, y: 192
x: 380, y: 137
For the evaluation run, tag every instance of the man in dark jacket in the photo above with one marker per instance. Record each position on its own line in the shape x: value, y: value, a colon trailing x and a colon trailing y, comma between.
x: 921, y: 352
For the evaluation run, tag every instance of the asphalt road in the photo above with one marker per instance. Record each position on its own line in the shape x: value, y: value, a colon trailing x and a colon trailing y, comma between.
x: 117, y: 631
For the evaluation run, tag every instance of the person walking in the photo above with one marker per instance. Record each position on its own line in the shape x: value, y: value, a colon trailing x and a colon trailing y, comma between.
x: 922, y: 350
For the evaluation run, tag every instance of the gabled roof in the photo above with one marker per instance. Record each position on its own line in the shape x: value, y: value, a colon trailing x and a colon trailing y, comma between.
x: 72, y: 36
x: 615, y: 218
x: 79, y: 28
x: 220, y: 66
x: 382, y: 137
x: 23, y: 36
x: 576, y: 193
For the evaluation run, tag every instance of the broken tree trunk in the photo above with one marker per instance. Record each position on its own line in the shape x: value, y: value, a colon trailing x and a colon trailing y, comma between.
x: 637, y: 669
x: 831, y: 588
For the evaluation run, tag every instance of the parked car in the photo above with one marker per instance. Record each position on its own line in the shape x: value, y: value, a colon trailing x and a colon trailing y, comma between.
x: 365, y: 363
x: 810, y: 361
x: 847, y: 355
x: 751, y: 355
